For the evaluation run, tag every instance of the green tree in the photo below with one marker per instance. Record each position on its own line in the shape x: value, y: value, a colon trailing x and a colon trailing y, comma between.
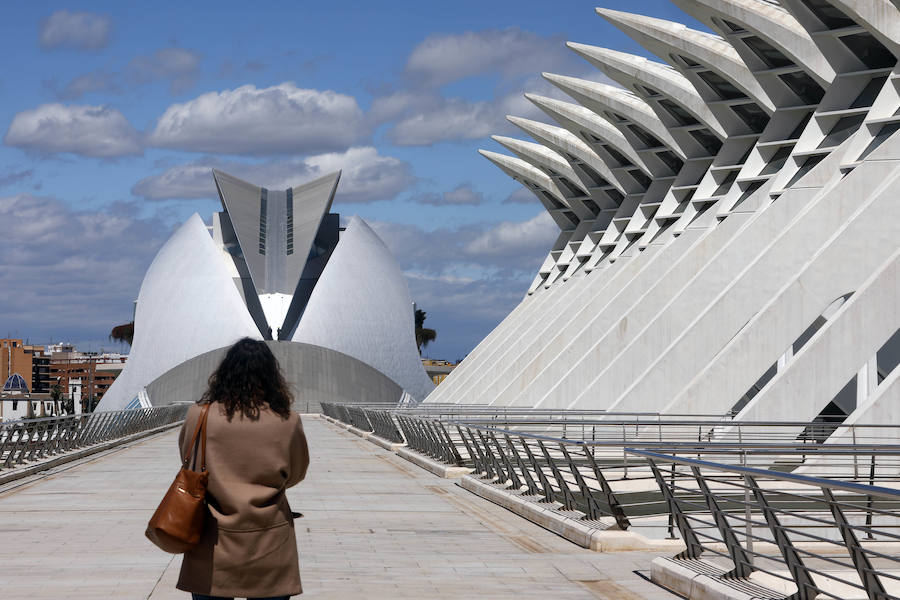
x: 424, y: 335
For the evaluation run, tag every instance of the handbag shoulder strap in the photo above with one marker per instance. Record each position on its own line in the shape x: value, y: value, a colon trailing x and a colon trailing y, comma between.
x: 199, y: 430
x: 203, y: 439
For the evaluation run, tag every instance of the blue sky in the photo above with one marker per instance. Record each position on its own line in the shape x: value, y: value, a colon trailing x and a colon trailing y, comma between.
x: 111, y: 119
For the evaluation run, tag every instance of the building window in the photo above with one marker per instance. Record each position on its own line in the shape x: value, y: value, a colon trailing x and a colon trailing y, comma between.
x: 726, y: 183
x: 766, y: 52
x: 688, y: 62
x: 869, y: 50
x: 777, y: 161
x: 640, y: 177
x: 867, y: 96
x: 617, y: 156
x: 844, y: 128
x: 263, y: 207
x: 673, y: 162
x: 705, y: 138
x: 733, y: 27
x: 721, y: 86
x: 290, y: 221
x: 798, y: 130
x: 646, y: 138
x: 755, y: 117
x: 678, y: 112
x: 830, y: 16
x: 804, y: 86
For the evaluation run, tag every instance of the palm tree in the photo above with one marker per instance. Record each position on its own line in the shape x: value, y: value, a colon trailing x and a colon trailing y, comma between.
x: 424, y: 335
x: 123, y: 333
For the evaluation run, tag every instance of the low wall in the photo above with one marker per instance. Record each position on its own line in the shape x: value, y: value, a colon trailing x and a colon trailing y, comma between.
x: 315, y: 374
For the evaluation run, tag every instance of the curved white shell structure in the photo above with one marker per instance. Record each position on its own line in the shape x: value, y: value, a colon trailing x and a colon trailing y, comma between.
x: 362, y: 307
x: 188, y: 305
x: 274, y: 259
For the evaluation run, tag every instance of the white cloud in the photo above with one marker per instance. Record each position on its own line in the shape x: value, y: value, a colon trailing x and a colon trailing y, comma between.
x: 71, y: 273
x: 249, y: 120
x: 177, y: 65
x: 513, y: 238
x: 441, y: 59
x: 366, y: 176
x: 521, y: 196
x: 465, y: 284
x: 446, y: 119
x: 79, y: 30
x: 95, y: 81
x: 462, y: 195
x: 95, y: 131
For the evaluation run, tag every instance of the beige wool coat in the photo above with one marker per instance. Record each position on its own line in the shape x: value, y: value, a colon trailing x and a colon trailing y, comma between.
x: 248, y: 548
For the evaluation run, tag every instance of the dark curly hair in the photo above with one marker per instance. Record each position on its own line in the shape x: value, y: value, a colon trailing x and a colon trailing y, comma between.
x: 248, y: 379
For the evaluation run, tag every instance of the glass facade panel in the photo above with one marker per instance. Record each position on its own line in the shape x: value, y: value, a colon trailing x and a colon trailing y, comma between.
x: 721, y: 86
x: 678, y: 112
x: 777, y: 161
x: 644, y: 136
x: 640, y: 177
x: 798, y: 130
x: 705, y: 138
x: 673, y: 162
x: 804, y: 86
x: 844, y: 128
x: 830, y: 16
x: 870, y: 51
x: 755, y: 117
x: 869, y: 93
x: 766, y: 52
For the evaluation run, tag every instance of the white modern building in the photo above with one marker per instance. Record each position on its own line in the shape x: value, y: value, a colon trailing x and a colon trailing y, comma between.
x: 332, y: 303
x: 729, y: 222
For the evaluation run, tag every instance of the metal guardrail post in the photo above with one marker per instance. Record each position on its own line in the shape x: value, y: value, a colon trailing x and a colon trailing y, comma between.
x: 546, y: 488
x: 693, y: 547
x: 533, y: 489
x: 453, y: 456
x: 868, y: 575
x: 611, y: 500
x: 568, y: 500
x: 496, y: 467
x: 593, y: 510
x: 473, y: 455
x: 806, y: 588
x: 742, y: 563
x: 510, y: 470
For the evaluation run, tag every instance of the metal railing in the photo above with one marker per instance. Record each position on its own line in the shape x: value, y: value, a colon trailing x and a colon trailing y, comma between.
x: 31, y: 440
x: 807, y: 537
x: 582, y: 465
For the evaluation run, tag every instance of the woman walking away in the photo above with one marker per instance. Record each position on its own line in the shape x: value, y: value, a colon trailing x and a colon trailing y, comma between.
x: 256, y: 449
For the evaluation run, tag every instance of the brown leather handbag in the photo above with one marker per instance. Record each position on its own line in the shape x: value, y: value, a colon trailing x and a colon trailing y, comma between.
x: 177, y: 524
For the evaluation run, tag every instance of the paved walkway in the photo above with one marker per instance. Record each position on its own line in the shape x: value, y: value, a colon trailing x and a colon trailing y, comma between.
x: 376, y: 526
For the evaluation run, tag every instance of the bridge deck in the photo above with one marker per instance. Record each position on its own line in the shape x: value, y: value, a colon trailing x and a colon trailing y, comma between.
x: 376, y: 526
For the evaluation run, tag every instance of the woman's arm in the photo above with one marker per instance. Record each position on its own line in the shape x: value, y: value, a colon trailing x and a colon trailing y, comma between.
x: 299, y: 456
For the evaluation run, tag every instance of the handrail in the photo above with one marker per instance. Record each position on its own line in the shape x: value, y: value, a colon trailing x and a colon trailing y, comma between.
x: 868, y: 490
x: 30, y: 440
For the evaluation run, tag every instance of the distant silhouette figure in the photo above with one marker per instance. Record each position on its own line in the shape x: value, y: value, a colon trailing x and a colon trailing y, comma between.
x: 256, y: 449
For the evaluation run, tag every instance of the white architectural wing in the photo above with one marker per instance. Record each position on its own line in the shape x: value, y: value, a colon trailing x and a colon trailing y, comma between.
x: 361, y: 307
x: 188, y: 305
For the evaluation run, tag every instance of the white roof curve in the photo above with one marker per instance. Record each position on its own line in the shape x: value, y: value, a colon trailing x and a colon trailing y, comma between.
x: 361, y: 306
x: 188, y: 305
